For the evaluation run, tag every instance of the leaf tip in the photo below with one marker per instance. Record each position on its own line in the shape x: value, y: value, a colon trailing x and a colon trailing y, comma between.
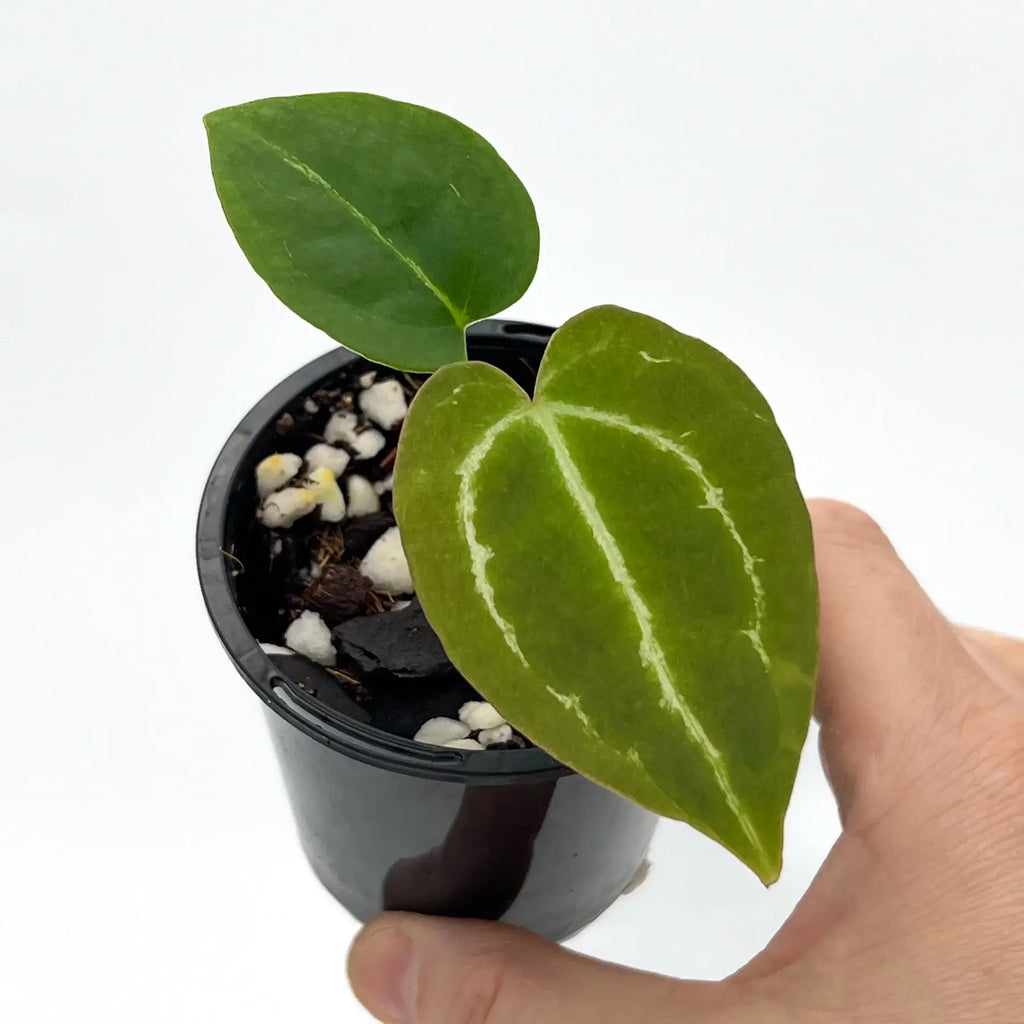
x: 211, y: 117
x: 767, y: 863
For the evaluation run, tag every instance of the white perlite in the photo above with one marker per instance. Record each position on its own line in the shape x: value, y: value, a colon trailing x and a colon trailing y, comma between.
x: 384, y: 403
x: 324, y: 488
x: 386, y: 566
x: 310, y: 406
x: 440, y: 731
x: 275, y: 471
x: 282, y: 509
x: 309, y: 635
x: 464, y: 744
x: 499, y: 734
x: 276, y: 649
x: 327, y: 456
x: 341, y: 429
x: 369, y: 444
x: 362, y: 498
x: 367, y: 378
x: 385, y: 485
x: 478, y: 714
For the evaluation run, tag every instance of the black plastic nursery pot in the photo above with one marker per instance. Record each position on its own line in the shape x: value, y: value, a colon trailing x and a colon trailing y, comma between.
x: 390, y: 824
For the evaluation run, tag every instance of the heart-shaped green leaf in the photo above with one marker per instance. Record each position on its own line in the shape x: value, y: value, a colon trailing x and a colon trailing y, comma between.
x: 387, y: 225
x: 623, y: 566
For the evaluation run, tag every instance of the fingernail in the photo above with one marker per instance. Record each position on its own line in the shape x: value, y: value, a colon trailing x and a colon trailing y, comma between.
x: 385, y: 978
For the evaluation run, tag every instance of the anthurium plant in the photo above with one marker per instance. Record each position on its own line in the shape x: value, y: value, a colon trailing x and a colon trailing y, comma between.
x: 622, y: 562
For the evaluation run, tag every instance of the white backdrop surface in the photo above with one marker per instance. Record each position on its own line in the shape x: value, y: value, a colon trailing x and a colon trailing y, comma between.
x: 829, y: 192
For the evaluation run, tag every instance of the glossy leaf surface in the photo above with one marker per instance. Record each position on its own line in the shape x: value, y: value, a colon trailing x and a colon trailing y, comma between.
x: 389, y: 226
x: 624, y: 567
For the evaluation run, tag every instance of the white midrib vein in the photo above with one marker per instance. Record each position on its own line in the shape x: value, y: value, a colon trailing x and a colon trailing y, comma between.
x: 544, y: 415
x: 713, y: 498
x: 458, y: 315
x: 652, y: 654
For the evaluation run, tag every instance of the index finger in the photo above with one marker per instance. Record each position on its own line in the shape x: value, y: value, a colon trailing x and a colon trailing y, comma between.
x: 891, y: 665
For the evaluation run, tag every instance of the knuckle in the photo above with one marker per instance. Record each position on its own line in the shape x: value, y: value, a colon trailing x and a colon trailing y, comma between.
x: 486, y: 992
x: 846, y: 526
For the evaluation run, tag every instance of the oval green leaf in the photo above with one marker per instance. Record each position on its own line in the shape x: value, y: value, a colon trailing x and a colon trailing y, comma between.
x: 389, y: 226
x: 624, y: 567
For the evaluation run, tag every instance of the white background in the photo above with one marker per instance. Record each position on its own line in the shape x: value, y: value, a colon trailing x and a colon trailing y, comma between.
x: 829, y: 192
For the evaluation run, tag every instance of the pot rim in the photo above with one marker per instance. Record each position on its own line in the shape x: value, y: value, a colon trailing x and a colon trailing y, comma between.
x: 355, y: 739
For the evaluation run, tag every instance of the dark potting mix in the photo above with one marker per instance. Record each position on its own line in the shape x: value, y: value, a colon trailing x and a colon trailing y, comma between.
x: 322, y: 580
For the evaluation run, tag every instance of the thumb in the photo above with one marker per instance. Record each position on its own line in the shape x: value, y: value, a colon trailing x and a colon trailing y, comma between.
x: 409, y: 969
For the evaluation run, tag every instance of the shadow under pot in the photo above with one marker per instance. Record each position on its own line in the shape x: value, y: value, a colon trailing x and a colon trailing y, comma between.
x: 388, y: 823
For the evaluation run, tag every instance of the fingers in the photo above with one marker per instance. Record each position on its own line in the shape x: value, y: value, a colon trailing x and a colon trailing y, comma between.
x: 408, y: 969
x: 890, y: 666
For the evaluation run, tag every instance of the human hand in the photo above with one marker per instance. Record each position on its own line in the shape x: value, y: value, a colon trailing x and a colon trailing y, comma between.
x: 918, y: 912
